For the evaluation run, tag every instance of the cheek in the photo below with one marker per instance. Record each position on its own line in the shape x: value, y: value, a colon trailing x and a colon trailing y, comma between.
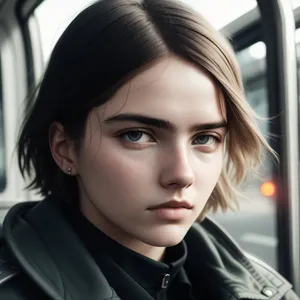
x: 115, y: 172
x: 209, y: 170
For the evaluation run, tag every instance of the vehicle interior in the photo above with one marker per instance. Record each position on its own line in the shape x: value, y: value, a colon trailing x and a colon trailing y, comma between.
x: 266, y: 38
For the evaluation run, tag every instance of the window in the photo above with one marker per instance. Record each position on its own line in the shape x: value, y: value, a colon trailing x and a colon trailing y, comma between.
x: 254, y: 224
x: 220, y: 13
x: 52, y: 28
x: 295, y: 3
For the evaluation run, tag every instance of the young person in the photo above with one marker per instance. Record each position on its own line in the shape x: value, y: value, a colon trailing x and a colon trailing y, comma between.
x: 139, y: 128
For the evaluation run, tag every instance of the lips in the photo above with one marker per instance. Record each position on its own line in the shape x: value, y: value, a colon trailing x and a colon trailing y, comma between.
x: 173, y: 204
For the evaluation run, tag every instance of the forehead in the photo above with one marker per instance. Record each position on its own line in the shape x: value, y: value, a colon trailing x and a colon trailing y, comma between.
x: 172, y: 89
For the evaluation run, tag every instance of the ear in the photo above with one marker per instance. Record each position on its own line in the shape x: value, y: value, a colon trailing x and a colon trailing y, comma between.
x: 62, y: 149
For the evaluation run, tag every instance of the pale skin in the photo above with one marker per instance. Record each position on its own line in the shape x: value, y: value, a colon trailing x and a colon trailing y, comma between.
x: 159, y: 138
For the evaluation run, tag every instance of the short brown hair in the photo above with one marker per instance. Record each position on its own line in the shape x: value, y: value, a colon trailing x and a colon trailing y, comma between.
x: 98, y: 52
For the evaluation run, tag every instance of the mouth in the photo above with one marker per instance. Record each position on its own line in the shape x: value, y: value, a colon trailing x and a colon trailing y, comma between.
x: 173, y: 204
x: 173, y: 210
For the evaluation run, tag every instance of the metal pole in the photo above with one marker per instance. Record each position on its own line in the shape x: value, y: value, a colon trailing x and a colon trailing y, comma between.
x: 279, y: 31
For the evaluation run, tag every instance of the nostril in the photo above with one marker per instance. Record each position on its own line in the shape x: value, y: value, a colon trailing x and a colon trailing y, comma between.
x: 180, y: 184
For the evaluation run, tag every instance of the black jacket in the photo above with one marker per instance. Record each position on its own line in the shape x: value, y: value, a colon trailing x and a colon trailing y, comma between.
x: 41, y: 257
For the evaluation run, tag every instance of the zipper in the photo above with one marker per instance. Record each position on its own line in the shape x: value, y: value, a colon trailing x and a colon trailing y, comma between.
x: 162, y: 295
x: 165, y: 281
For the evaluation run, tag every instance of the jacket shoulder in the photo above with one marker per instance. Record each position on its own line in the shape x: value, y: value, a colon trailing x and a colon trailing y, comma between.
x: 273, y: 284
x: 276, y: 280
x: 21, y: 287
x: 14, y: 284
x: 8, y: 268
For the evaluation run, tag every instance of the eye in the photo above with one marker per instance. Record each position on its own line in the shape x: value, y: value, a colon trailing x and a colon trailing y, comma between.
x: 206, y: 140
x: 136, y: 136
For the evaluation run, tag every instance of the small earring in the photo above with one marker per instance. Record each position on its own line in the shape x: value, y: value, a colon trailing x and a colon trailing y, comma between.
x: 69, y: 171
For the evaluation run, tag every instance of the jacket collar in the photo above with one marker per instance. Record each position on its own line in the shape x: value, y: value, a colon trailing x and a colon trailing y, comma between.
x: 148, y: 273
x: 61, y: 266
x: 64, y: 269
x: 235, y: 275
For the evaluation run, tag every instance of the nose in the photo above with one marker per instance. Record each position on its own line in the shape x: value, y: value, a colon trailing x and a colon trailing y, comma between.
x: 177, y: 169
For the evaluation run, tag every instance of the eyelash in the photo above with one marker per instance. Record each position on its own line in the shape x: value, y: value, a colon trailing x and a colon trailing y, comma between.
x: 122, y: 134
x: 217, y: 139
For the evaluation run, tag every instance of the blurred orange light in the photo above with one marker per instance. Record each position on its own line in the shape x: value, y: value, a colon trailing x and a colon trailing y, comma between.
x: 268, y: 189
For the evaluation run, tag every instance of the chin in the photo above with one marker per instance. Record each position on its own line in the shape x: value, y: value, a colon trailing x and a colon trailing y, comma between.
x: 165, y: 236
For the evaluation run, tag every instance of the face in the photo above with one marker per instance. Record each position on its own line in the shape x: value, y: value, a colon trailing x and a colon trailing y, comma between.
x: 152, y: 155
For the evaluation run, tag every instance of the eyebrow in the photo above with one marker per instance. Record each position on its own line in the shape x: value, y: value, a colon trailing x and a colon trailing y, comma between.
x: 163, y: 124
